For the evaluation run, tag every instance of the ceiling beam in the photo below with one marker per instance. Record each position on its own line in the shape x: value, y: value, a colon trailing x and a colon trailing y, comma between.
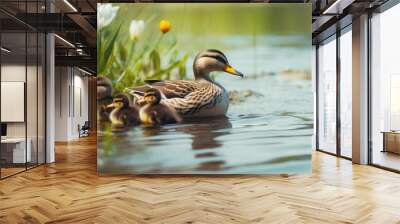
x: 79, y: 61
x: 337, y: 7
x: 89, y: 30
x: 49, y: 22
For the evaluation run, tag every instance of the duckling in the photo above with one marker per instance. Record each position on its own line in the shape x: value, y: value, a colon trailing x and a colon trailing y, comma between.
x: 156, y: 113
x: 122, y: 115
x: 104, y: 98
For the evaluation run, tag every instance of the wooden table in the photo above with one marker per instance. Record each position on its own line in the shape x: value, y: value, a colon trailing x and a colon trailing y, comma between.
x: 391, y: 141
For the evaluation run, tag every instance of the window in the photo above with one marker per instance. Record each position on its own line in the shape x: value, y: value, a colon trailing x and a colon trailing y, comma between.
x: 327, y: 96
x: 346, y: 93
x: 385, y: 89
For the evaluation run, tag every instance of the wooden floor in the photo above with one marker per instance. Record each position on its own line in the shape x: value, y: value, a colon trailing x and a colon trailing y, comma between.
x: 387, y: 159
x: 70, y: 191
x: 5, y: 172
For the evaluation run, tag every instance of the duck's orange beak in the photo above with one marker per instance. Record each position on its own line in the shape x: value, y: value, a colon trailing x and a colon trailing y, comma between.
x: 229, y: 69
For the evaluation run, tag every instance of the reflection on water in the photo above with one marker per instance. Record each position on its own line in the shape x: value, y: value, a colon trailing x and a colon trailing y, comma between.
x: 237, y: 144
x: 263, y: 134
x: 204, y: 133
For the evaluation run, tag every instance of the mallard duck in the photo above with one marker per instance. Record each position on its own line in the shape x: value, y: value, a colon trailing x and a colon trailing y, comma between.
x: 123, y: 115
x: 104, y: 97
x: 154, y: 112
x: 194, y: 98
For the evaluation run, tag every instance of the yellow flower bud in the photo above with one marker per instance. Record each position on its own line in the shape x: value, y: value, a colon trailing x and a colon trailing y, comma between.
x: 165, y: 26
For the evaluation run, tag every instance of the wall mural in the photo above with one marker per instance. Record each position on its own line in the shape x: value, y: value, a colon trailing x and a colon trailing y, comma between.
x: 190, y: 88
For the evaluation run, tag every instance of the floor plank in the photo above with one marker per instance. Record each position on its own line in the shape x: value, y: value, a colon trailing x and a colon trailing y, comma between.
x: 70, y: 191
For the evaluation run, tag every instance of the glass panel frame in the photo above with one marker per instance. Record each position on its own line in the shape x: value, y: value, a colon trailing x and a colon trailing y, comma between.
x: 327, y: 74
x: 339, y: 90
x: 26, y: 57
x: 14, y: 147
x: 345, y: 55
x: 384, y: 125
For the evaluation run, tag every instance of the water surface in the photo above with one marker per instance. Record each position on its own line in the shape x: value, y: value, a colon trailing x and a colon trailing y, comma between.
x: 269, y: 132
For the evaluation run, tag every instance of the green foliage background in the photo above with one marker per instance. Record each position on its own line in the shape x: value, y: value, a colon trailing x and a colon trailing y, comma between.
x: 194, y: 27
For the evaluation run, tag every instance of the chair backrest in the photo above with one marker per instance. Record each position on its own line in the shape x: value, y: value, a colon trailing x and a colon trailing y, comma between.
x: 86, y: 125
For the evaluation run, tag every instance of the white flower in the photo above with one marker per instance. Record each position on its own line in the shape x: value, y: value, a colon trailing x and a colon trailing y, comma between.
x: 136, y: 28
x: 105, y: 14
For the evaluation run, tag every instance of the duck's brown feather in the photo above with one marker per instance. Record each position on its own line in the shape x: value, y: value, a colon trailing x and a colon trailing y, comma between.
x: 171, y: 88
x: 185, y: 96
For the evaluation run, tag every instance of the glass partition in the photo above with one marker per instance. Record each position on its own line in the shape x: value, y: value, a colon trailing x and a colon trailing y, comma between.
x: 15, y: 152
x: 327, y: 96
x: 22, y: 77
x: 385, y: 89
x: 346, y: 93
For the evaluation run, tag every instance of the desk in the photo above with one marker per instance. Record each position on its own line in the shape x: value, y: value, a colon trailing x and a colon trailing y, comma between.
x: 15, y: 148
x: 391, y: 141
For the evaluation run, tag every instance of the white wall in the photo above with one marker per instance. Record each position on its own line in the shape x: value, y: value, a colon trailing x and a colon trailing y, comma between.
x: 12, y: 73
x: 80, y: 110
x: 16, y: 73
x: 71, y: 102
x: 33, y: 127
x: 61, y: 103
